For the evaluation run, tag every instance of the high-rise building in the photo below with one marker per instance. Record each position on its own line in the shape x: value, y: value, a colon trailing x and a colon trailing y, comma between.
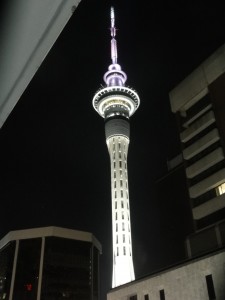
x: 116, y: 103
x: 198, y: 102
x: 49, y: 263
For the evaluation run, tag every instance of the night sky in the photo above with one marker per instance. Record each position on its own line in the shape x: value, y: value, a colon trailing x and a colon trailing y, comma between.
x: 54, y: 162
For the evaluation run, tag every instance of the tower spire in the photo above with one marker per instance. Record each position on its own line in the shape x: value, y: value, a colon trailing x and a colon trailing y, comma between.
x: 116, y: 103
x: 113, y: 40
x: 114, y: 76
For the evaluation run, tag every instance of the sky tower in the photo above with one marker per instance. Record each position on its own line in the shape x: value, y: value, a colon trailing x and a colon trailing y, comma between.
x: 116, y: 103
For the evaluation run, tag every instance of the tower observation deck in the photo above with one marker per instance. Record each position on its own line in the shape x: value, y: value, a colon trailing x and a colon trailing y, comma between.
x: 116, y: 103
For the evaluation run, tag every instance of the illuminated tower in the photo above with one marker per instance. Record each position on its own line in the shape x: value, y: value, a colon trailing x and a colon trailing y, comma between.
x: 116, y: 103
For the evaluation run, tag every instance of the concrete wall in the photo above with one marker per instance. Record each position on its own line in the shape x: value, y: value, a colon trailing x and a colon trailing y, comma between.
x: 185, y: 282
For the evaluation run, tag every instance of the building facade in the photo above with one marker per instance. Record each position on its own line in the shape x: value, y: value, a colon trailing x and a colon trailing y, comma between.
x: 198, y: 102
x: 49, y: 263
x: 199, y: 279
x: 116, y: 103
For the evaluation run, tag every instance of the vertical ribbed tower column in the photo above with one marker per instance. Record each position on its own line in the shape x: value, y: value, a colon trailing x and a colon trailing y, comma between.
x: 116, y: 103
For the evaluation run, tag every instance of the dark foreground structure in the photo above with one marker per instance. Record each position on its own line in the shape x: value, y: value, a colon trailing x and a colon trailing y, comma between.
x: 49, y: 263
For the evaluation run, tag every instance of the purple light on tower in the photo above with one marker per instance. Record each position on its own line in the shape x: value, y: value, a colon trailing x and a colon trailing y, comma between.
x: 116, y: 103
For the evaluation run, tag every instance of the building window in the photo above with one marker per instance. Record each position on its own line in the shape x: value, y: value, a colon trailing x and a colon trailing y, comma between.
x: 115, y: 205
x: 123, y: 226
x: 120, y: 164
x: 114, y: 184
x: 210, y: 287
x: 146, y: 297
x: 115, y: 195
x: 124, y: 250
x: 117, y: 251
x: 220, y: 189
x: 123, y: 238
x: 121, y: 173
x: 116, y: 216
x: 122, y: 215
x: 121, y: 183
x: 122, y: 206
x: 162, y: 295
x: 121, y: 192
x: 127, y: 194
x: 114, y: 164
x: 120, y: 155
x: 134, y: 297
x: 114, y: 174
x: 116, y: 227
x: 119, y: 146
x: 117, y: 239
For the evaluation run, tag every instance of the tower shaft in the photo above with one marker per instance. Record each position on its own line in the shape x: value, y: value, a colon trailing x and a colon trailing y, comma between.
x: 117, y: 143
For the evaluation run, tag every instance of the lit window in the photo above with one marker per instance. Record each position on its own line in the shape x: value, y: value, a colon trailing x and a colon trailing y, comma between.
x: 220, y: 189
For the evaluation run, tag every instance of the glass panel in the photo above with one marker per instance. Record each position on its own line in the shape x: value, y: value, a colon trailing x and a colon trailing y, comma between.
x: 6, y: 265
x: 27, y: 269
x: 67, y: 269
